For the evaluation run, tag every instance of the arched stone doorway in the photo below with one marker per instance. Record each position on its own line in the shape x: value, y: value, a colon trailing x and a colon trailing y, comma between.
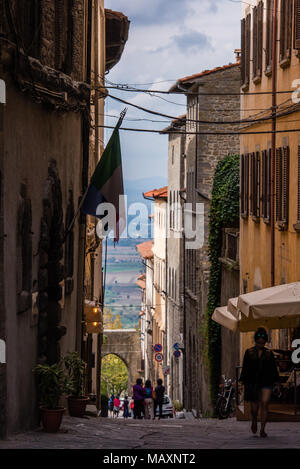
x: 125, y: 343
x: 114, y: 374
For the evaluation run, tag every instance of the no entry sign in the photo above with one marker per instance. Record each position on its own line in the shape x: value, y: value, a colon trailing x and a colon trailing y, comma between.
x: 159, y: 357
x: 157, y: 347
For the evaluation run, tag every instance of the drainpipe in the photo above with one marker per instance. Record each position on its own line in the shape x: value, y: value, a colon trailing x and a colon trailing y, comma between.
x: 273, y: 145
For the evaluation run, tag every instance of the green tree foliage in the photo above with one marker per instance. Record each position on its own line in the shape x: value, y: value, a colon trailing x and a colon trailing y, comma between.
x: 114, y: 375
x: 224, y: 213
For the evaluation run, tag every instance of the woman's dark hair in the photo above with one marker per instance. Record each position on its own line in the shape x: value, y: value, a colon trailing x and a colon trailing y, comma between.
x: 139, y: 381
x: 148, y: 383
x: 261, y: 333
x: 159, y: 382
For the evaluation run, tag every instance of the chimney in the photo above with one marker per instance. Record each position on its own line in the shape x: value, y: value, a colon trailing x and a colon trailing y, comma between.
x: 238, y: 53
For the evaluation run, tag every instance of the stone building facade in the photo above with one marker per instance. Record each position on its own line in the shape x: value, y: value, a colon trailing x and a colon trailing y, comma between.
x: 208, y: 100
x: 47, y: 154
x: 174, y: 255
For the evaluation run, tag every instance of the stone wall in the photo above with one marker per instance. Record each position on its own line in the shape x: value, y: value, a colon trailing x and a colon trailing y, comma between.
x: 203, y: 153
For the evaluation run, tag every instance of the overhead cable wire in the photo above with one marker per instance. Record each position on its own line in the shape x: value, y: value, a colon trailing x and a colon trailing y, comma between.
x: 241, y: 121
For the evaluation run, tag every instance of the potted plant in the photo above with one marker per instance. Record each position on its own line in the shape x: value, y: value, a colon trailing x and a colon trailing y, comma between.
x: 51, y: 386
x: 77, y: 401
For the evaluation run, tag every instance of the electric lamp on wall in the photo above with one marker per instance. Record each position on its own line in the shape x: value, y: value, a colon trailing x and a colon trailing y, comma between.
x: 93, y: 318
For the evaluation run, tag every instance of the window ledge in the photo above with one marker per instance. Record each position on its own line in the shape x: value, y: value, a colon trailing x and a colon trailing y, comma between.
x: 284, y: 63
x: 297, y: 227
x: 255, y: 218
x: 244, y: 216
x: 268, y: 71
x: 257, y: 79
x: 245, y: 87
x: 266, y: 221
x: 282, y: 226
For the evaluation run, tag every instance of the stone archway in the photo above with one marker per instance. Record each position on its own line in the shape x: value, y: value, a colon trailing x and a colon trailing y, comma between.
x: 125, y: 344
x: 120, y: 359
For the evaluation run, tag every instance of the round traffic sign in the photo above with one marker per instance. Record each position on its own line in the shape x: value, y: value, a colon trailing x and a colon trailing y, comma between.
x: 177, y: 353
x: 157, y: 347
x: 176, y: 346
x: 159, y: 357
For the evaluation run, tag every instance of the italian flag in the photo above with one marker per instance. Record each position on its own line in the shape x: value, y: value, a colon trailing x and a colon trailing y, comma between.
x: 106, y: 185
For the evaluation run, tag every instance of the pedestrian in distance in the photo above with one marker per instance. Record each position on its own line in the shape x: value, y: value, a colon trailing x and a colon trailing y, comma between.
x: 126, y: 408
x: 148, y: 390
x: 159, y: 398
x: 138, y: 397
x: 116, y: 406
x: 111, y: 405
x: 259, y: 374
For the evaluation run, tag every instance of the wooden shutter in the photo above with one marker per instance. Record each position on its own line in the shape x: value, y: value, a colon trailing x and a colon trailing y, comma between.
x: 254, y: 42
x: 282, y: 184
x: 255, y: 185
x: 244, y: 185
x: 297, y: 24
x: 269, y: 42
x: 260, y: 22
x: 278, y: 183
x: 243, y: 51
x: 248, y: 47
x: 285, y: 187
x: 285, y: 29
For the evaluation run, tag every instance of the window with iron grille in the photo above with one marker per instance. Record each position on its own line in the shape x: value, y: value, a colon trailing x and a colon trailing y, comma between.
x: 255, y: 185
x: 28, y: 25
x: 269, y: 34
x: 245, y: 46
x: 282, y: 186
x: 244, y: 196
x: 286, y: 12
x: 266, y: 185
x: 257, y: 39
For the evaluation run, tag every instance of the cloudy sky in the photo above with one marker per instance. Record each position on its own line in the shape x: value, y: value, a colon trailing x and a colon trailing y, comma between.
x: 168, y: 39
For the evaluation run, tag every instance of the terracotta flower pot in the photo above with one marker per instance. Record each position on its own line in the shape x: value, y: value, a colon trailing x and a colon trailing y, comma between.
x: 51, y: 418
x: 77, y: 405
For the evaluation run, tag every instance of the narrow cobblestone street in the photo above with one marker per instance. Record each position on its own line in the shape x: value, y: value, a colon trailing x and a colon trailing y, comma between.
x: 100, y: 433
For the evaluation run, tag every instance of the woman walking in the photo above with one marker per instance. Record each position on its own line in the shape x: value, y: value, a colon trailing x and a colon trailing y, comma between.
x: 148, y: 390
x: 125, y: 408
x: 259, y: 374
x: 111, y: 405
x: 116, y: 406
x: 138, y: 397
x: 159, y: 398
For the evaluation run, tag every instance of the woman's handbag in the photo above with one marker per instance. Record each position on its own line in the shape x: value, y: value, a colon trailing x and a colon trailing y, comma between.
x: 154, y: 395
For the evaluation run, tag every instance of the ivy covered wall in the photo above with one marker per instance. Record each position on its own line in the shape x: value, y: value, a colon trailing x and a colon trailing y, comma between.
x: 224, y: 213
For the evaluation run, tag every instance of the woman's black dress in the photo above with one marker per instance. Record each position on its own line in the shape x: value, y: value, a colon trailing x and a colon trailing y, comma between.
x: 258, y: 373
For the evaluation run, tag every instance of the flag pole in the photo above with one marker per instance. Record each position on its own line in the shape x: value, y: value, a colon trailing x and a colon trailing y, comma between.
x: 68, y: 230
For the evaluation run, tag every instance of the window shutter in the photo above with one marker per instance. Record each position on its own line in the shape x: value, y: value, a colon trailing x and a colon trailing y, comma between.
x: 297, y: 24
x: 245, y: 185
x: 243, y: 51
x: 269, y: 176
x: 247, y: 47
x: 285, y: 29
x: 257, y: 176
x: 263, y: 185
x: 260, y: 20
x: 255, y: 41
x: 282, y: 29
x: 285, y: 188
x: 269, y: 44
x: 278, y: 183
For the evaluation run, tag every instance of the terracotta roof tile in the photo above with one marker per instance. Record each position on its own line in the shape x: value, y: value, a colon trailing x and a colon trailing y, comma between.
x: 145, y: 250
x: 161, y: 193
x: 203, y: 73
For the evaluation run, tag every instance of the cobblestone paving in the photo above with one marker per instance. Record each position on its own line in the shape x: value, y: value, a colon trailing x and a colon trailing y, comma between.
x: 93, y: 433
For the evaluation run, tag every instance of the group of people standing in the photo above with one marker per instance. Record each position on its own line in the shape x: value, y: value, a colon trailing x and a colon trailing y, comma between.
x: 147, y: 399
x: 144, y: 403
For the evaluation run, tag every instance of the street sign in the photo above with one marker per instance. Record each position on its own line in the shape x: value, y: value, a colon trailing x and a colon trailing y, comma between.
x: 177, y: 353
x: 166, y: 370
x: 157, y: 347
x: 159, y: 357
x: 176, y: 346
